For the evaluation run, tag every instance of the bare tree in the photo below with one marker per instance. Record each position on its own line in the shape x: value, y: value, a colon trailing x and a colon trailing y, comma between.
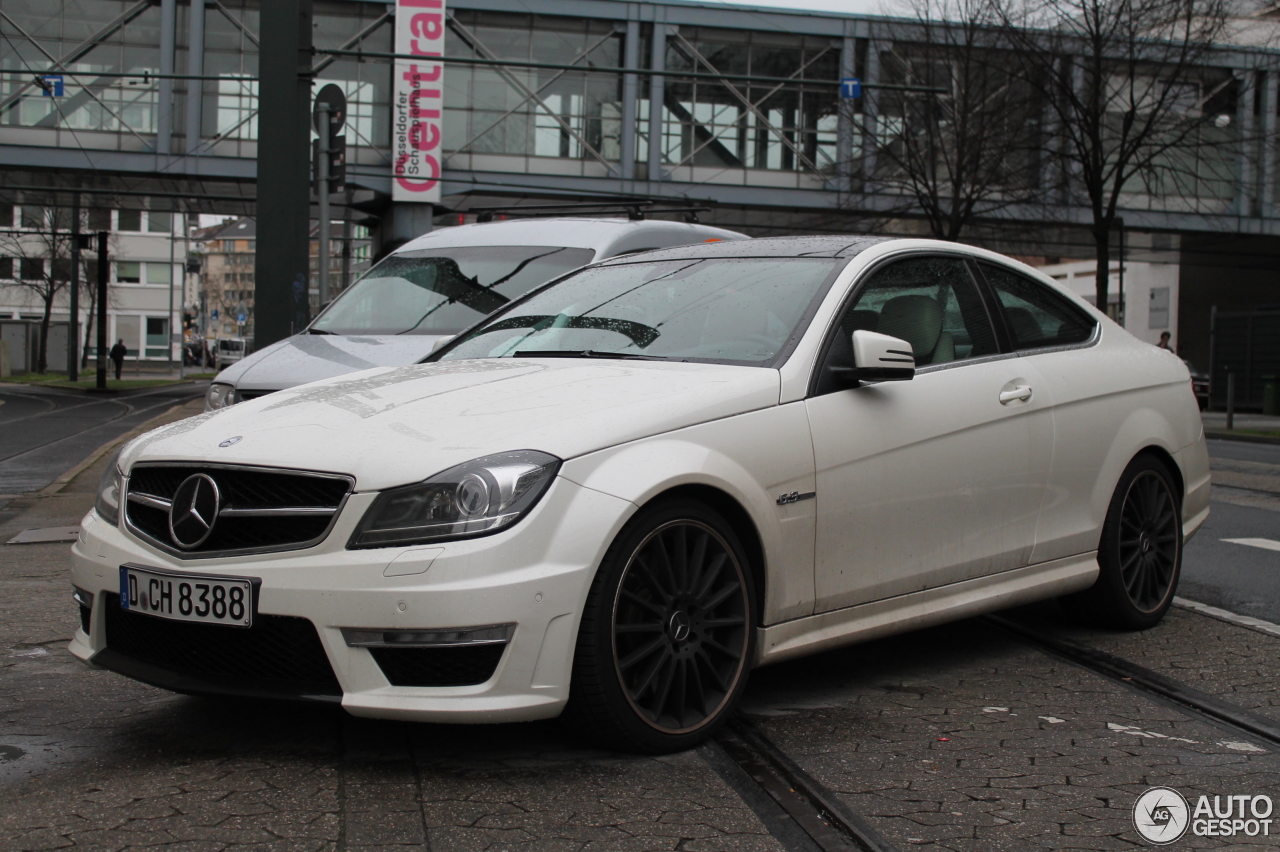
x: 1134, y: 106
x: 41, y: 250
x: 958, y: 143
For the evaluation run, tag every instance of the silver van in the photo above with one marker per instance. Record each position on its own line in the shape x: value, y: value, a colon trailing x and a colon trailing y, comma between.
x: 436, y: 285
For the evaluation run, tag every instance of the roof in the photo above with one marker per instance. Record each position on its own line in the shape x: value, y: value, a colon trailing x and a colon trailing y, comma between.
x: 599, y: 233
x: 832, y: 247
x: 235, y: 229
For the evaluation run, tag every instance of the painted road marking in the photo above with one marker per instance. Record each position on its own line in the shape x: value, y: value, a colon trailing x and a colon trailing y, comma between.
x: 1264, y: 543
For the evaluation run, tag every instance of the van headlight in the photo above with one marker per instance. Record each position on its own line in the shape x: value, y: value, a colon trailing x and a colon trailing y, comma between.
x: 481, y: 497
x: 107, y: 503
x: 219, y: 396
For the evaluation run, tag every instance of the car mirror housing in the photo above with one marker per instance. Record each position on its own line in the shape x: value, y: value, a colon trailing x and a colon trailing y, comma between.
x: 878, y: 358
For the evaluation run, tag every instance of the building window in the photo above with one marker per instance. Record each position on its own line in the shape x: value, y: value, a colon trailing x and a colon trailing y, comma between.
x: 130, y: 220
x: 128, y: 271
x: 157, y: 337
x: 32, y: 217
x: 99, y: 219
x: 158, y: 273
x: 6, y: 216
x: 160, y: 223
x: 32, y: 268
x: 6, y: 267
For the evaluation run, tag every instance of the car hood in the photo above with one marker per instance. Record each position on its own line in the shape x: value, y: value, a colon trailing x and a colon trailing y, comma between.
x: 311, y: 357
x: 393, y: 426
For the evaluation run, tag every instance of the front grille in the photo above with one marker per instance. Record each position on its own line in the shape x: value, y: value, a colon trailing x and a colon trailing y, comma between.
x: 260, y: 509
x: 246, y: 395
x: 279, y: 653
x: 85, y: 615
x: 465, y: 665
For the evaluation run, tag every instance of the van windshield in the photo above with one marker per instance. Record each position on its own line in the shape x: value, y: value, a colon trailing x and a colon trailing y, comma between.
x: 444, y: 290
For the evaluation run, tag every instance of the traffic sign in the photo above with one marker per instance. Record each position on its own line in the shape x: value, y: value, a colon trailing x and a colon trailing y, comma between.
x: 240, y: 318
x: 332, y: 97
x: 52, y: 85
x: 213, y: 314
x: 850, y: 88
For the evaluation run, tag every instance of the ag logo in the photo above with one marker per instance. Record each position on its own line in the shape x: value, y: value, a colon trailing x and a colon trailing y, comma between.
x: 1161, y: 815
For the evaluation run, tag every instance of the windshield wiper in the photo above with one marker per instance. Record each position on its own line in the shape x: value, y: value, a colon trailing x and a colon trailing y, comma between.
x: 583, y: 353
x: 319, y: 331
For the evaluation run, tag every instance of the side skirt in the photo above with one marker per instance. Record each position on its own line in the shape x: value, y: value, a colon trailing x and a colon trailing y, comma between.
x: 922, y: 609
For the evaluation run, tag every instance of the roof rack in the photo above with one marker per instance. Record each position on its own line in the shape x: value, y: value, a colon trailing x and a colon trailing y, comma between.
x: 635, y: 208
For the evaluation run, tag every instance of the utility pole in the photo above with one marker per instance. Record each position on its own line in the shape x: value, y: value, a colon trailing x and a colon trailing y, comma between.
x: 102, y: 311
x: 73, y: 323
x: 282, y: 264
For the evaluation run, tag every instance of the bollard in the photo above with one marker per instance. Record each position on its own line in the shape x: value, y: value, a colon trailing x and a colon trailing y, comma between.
x: 1231, y: 401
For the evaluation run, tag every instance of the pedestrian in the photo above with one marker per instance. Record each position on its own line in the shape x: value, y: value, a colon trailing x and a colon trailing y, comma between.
x: 117, y: 356
x: 1164, y: 341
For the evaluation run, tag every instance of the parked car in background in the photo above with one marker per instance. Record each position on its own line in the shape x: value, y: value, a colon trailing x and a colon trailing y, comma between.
x: 436, y: 285
x: 230, y: 350
x: 614, y: 497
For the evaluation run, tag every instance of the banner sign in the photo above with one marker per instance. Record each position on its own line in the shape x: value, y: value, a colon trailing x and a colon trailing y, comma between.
x: 418, y: 101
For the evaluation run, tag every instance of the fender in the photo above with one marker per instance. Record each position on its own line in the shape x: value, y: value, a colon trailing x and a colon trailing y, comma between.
x: 643, y: 470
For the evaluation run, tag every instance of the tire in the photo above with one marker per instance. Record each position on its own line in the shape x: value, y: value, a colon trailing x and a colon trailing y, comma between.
x: 666, y: 643
x: 1139, y: 554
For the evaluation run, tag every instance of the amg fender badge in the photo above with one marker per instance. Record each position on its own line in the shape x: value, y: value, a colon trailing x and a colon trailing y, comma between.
x: 795, y: 497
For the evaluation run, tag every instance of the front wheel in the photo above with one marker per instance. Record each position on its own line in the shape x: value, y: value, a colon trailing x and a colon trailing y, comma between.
x: 667, y: 634
x: 1140, y: 552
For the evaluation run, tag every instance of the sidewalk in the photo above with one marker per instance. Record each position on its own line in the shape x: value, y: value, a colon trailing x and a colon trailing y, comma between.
x: 1256, y: 428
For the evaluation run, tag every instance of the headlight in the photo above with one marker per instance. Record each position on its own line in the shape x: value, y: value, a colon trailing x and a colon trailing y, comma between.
x: 219, y: 396
x: 109, y: 487
x: 480, y: 497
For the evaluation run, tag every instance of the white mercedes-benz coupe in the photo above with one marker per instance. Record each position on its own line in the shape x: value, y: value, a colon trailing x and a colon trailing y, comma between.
x: 619, y: 493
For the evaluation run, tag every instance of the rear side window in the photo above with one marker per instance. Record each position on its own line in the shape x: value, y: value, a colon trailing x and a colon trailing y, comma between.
x: 1035, y: 315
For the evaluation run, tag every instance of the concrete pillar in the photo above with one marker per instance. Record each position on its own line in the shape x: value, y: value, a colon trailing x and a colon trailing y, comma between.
x: 869, y: 114
x: 630, y: 59
x: 195, y: 68
x: 402, y: 222
x: 846, y: 157
x: 164, y: 105
x: 657, y: 85
x: 1267, y: 149
x: 1246, y: 189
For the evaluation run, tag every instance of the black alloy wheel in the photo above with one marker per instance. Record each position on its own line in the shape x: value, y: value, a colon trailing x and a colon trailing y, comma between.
x: 1140, y: 551
x: 1149, y: 541
x: 667, y: 636
x: 680, y: 626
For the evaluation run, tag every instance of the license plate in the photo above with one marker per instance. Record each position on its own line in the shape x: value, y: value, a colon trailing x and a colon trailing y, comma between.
x: 187, y: 597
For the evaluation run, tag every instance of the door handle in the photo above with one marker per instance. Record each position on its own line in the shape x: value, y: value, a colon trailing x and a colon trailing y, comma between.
x: 1021, y: 393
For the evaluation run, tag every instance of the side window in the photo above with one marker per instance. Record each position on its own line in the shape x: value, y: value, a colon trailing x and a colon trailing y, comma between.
x: 930, y: 302
x: 1035, y: 315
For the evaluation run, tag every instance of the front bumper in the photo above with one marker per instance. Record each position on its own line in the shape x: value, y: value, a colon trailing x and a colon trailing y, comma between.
x: 534, y: 576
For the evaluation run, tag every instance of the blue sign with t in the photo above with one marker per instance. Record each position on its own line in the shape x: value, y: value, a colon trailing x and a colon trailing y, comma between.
x: 850, y: 87
x: 52, y: 85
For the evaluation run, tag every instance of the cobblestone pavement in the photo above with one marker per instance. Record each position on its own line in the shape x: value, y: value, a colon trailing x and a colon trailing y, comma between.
x: 960, y: 738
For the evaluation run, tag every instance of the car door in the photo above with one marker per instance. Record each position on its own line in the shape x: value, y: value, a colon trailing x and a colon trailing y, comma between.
x: 938, y: 479
x: 1088, y: 387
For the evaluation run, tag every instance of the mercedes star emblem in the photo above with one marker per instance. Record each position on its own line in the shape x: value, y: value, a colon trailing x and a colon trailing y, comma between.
x: 194, y: 511
x: 231, y: 441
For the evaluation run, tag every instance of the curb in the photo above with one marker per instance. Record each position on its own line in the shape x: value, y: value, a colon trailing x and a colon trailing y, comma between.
x: 93, y: 390
x: 62, y: 481
x: 1242, y: 437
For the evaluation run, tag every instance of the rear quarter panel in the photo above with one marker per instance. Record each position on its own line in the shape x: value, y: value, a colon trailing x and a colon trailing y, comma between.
x: 1112, y: 401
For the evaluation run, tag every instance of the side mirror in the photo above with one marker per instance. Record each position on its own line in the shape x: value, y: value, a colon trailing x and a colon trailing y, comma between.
x: 879, y: 358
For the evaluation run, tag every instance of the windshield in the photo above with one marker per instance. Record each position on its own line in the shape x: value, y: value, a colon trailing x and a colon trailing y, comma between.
x: 715, y: 309
x: 441, y: 291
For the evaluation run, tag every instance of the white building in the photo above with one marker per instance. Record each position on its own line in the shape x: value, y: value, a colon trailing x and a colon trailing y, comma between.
x: 1150, y: 294
x: 147, y: 286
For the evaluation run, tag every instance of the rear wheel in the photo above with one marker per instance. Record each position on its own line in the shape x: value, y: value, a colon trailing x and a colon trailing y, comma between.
x: 1140, y: 552
x: 666, y: 637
